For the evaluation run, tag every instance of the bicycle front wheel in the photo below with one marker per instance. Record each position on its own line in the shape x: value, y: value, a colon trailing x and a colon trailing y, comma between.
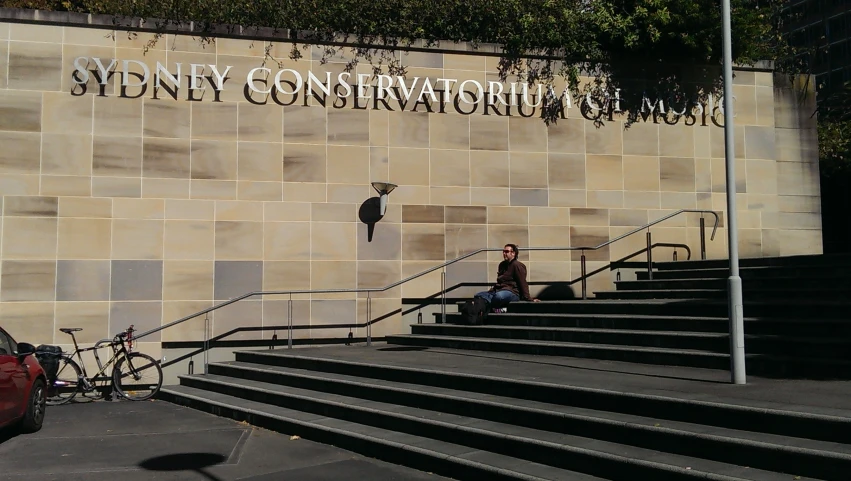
x: 66, y: 384
x: 137, y: 377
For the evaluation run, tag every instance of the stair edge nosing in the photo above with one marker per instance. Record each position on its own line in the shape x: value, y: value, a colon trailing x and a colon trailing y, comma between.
x: 639, y: 427
x: 606, y: 392
x: 610, y: 457
x: 577, y: 345
x: 579, y: 329
x: 407, y: 447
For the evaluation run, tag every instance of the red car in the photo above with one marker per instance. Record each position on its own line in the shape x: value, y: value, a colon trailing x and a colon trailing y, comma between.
x: 22, y: 385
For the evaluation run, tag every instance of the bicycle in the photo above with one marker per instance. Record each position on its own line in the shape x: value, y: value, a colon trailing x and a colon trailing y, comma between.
x: 135, y: 376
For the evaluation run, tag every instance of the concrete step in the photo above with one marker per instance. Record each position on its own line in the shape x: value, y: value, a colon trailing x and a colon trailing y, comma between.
x: 609, y: 460
x: 803, y: 293
x: 810, y: 272
x: 518, y: 378
x: 703, y: 341
x: 601, y: 321
x: 755, y: 449
x: 780, y: 308
x: 767, y: 365
x: 815, y: 328
x: 426, y: 454
x: 749, y: 286
x: 611, y: 352
x: 814, y: 260
x: 801, y: 344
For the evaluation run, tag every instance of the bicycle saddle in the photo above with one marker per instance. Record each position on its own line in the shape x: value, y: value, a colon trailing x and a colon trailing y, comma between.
x: 69, y: 330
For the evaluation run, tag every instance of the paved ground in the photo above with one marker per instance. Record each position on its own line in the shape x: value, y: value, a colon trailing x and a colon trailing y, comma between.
x: 158, y: 440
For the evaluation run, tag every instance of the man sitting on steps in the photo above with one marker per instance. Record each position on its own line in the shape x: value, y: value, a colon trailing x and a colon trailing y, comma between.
x: 510, y: 282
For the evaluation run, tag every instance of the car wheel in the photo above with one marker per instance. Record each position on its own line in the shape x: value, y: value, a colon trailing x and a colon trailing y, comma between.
x: 36, y: 405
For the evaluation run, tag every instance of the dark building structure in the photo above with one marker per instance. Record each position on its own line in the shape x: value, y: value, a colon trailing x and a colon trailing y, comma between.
x: 824, y: 27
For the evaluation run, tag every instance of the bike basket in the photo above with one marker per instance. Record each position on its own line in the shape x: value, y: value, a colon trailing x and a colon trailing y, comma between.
x: 48, y: 357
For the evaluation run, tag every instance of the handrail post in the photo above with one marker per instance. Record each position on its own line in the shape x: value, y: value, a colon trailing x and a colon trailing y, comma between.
x: 368, y: 318
x: 649, y: 256
x: 207, y: 329
x: 582, y: 268
x: 702, y: 238
x: 290, y: 322
x: 443, y: 296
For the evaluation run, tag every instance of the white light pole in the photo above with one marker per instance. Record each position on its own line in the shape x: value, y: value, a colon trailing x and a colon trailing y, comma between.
x: 734, y: 282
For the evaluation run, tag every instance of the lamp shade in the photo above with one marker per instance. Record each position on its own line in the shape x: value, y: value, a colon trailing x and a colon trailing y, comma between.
x: 383, y: 187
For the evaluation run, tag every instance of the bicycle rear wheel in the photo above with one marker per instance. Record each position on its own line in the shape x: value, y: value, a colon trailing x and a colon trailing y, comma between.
x: 137, y: 376
x: 66, y: 385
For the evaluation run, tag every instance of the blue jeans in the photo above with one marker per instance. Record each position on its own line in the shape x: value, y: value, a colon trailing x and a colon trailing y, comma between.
x: 499, y: 298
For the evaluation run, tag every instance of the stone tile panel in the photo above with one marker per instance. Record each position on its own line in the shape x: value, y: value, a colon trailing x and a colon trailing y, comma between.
x: 409, y: 167
x: 304, y: 163
x: 142, y: 316
x: 116, y: 156
x: 81, y: 238
x: 235, y: 278
x: 333, y: 241
x: 34, y: 66
x: 21, y: 153
x: 137, y: 239
x: 69, y: 154
x: 348, y: 164
x: 164, y: 118
x: 490, y: 169
x: 82, y: 280
x: 28, y: 281
x: 449, y: 168
x: 169, y: 158
x: 91, y: 317
x: 19, y: 111
x: 136, y: 280
x: 188, y: 280
x: 214, y: 160
x: 239, y: 240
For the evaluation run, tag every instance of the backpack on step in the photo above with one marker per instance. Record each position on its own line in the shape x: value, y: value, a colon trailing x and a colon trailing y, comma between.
x: 474, y: 312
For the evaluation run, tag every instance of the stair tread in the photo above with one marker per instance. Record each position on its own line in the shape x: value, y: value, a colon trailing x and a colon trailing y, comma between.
x: 578, y: 329
x: 615, y: 347
x: 726, y: 270
x: 566, y: 344
x: 442, y: 449
x: 570, y: 375
x: 641, y: 422
x: 753, y: 289
x: 682, y: 302
x: 816, y: 360
x: 572, y: 315
x: 595, y: 316
x: 716, y: 279
x: 501, y: 429
x: 626, y: 330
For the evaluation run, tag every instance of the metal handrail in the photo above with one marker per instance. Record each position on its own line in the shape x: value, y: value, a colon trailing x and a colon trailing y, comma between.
x: 274, y: 340
x: 612, y: 265
x: 370, y: 290
x: 209, y: 344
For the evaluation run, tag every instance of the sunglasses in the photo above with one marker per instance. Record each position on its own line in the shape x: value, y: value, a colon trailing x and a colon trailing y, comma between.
x: 507, y: 251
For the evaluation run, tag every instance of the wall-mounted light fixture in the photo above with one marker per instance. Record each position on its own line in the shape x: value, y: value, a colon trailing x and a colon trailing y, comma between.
x: 384, y: 189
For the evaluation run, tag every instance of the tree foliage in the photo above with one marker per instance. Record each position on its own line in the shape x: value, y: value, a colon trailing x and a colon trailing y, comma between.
x: 834, y: 132
x: 671, y: 46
